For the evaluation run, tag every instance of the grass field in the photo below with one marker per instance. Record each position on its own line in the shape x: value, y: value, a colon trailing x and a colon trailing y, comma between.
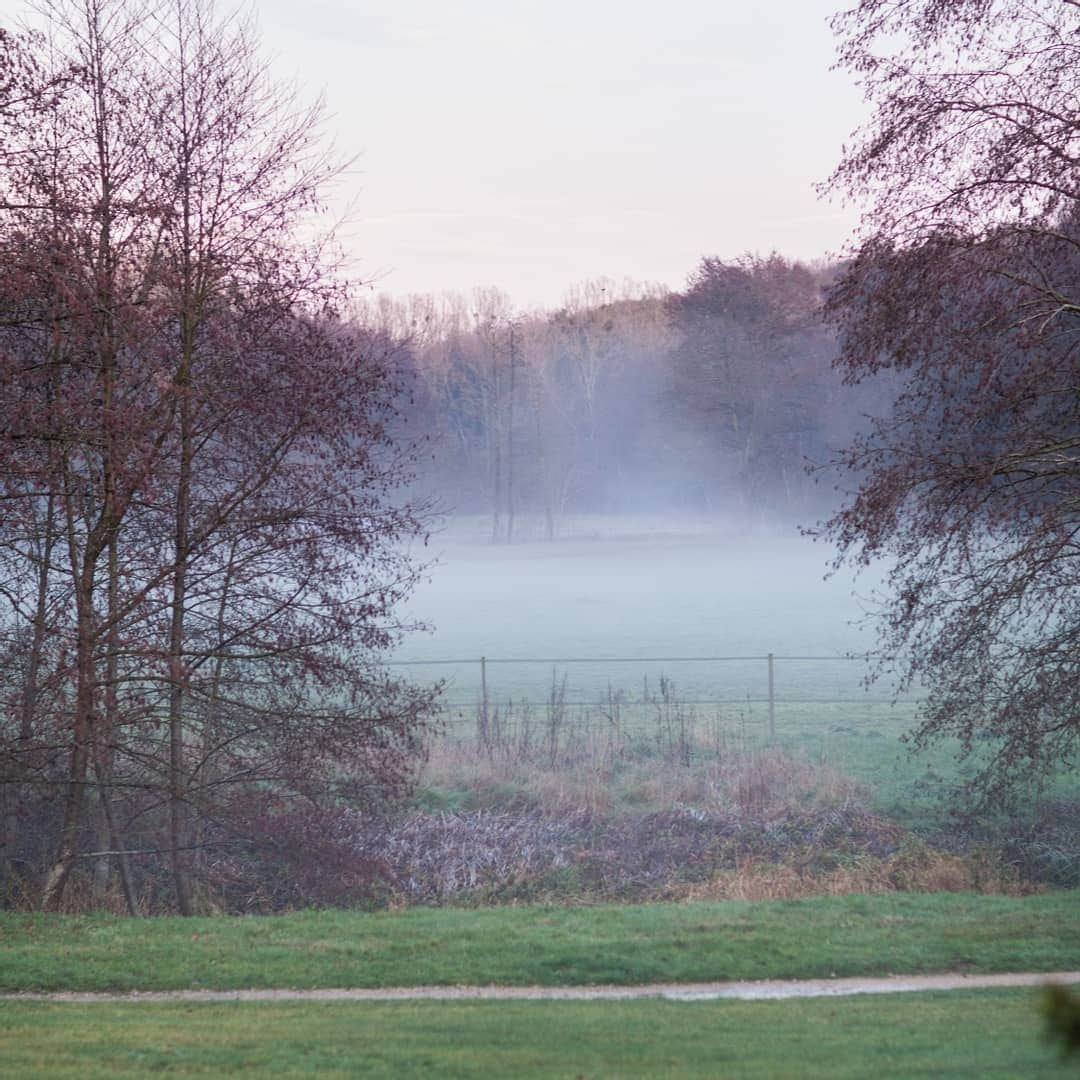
x: 668, y: 588
x: 588, y: 599
x: 548, y: 946
x: 635, y: 589
x: 989, y: 1033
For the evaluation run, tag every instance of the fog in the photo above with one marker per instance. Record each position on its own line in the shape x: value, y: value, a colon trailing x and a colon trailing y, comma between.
x: 639, y: 589
x: 626, y: 477
x: 720, y: 402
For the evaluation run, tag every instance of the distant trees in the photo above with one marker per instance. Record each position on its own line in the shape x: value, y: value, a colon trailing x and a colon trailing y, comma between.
x: 752, y: 371
x: 526, y: 416
x: 199, y: 553
x: 965, y: 289
x: 628, y: 397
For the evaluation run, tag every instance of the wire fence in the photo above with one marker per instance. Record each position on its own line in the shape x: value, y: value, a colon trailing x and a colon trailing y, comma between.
x: 770, y: 680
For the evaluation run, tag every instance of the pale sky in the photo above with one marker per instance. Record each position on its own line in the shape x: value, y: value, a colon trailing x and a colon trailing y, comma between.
x: 532, y: 144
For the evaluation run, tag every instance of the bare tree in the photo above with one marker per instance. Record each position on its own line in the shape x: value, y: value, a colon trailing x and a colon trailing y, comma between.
x: 751, y: 373
x: 964, y: 290
x: 203, y: 531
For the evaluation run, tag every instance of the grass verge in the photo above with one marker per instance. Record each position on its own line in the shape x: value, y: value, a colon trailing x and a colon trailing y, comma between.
x: 548, y: 946
x: 990, y: 1033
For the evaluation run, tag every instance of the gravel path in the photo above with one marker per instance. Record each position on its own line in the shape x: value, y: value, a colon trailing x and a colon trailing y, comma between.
x: 770, y: 990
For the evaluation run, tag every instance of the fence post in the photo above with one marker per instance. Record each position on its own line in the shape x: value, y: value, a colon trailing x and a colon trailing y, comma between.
x: 483, y: 691
x: 772, y: 702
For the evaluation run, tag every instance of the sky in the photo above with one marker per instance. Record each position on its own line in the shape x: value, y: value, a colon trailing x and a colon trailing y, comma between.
x: 532, y: 145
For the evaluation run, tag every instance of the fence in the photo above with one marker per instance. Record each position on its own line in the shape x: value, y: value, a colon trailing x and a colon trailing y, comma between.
x: 750, y: 680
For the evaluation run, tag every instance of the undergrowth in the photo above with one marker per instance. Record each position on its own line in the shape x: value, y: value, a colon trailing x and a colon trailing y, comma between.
x: 553, y: 807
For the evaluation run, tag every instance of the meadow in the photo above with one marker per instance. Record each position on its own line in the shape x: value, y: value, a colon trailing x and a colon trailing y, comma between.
x: 615, y: 612
x: 636, y: 589
x: 609, y: 823
x: 988, y: 1033
x: 590, y: 708
x: 548, y: 945
x: 960, y: 1033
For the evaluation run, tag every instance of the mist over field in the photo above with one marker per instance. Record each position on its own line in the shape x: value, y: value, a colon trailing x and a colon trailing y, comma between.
x: 644, y: 589
x: 627, y: 589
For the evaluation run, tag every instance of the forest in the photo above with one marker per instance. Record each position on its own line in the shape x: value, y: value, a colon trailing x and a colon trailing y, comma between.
x: 719, y: 400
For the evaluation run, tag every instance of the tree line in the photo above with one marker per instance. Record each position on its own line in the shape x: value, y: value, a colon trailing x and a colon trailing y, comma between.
x: 719, y: 399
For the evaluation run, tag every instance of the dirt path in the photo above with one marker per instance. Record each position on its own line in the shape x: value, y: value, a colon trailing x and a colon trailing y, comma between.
x: 770, y: 990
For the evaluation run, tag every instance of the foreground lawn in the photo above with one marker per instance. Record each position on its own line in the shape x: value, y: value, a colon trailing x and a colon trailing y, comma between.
x: 548, y: 946
x: 990, y: 1033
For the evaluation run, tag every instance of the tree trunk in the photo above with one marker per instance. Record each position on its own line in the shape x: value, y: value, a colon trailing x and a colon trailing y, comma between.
x: 74, y: 797
x: 12, y: 794
x: 115, y: 840
x: 178, y: 810
x: 510, y: 442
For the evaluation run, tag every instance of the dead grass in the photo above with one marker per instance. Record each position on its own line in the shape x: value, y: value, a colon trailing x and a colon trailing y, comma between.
x: 915, y: 868
x: 739, y: 821
x: 545, y: 806
x: 595, y: 775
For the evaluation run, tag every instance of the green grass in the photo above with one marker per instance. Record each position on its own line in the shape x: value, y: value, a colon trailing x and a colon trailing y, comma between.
x: 851, y: 935
x: 972, y: 1034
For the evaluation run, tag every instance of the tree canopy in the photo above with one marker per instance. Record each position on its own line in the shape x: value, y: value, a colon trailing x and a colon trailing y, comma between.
x: 966, y: 287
